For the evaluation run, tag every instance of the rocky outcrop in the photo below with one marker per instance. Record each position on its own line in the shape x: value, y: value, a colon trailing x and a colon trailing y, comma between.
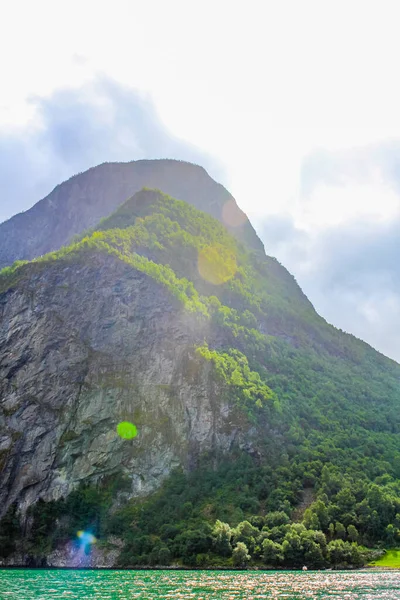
x: 83, y: 200
x: 83, y: 346
x: 71, y: 556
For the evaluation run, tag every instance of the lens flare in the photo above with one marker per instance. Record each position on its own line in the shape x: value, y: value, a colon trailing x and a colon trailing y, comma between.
x: 216, y: 264
x: 126, y: 430
x: 86, y: 540
x: 232, y: 215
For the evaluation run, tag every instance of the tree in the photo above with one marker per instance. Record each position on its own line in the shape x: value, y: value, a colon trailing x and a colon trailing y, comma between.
x: 222, y: 535
x: 390, y: 533
x: 246, y: 533
x: 293, y: 550
x: 315, y: 548
x: 192, y: 542
x: 240, y: 555
x: 320, y: 509
x: 276, y: 518
x: 340, y: 530
x: 342, y: 554
x: 164, y: 555
x: 272, y: 552
x: 339, y: 553
x: 313, y: 555
x: 345, y: 500
x: 331, y: 530
x: 10, y: 530
x: 310, y: 520
x: 352, y: 533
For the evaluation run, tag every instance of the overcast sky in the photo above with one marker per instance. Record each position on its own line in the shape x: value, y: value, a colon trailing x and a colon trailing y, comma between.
x: 294, y: 106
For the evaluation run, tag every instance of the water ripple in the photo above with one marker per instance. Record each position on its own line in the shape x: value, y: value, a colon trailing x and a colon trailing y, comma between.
x: 198, y: 585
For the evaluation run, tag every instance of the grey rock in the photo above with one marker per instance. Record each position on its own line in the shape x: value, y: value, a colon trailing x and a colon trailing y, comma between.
x: 78, y: 358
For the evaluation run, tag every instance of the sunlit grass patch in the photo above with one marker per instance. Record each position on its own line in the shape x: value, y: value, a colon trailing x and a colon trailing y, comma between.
x: 390, y: 559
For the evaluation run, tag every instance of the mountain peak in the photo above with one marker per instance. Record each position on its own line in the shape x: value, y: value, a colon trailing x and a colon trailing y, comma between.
x: 80, y: 202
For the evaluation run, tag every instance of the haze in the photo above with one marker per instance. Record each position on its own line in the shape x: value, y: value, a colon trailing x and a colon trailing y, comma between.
x: 292, y: 106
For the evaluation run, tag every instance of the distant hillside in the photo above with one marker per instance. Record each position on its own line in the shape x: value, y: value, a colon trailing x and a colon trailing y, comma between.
x: 83, y: 200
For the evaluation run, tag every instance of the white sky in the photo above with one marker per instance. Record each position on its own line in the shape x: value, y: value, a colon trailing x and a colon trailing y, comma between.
x: 257, y: 84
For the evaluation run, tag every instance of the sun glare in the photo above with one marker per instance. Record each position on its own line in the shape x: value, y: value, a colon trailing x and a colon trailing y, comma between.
x: 216, y: 265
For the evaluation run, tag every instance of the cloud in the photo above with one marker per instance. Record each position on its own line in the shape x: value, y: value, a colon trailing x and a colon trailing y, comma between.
x: 75, y: 129
x: 355, y: 281
x: 349, y: 267
x: 352, y: 165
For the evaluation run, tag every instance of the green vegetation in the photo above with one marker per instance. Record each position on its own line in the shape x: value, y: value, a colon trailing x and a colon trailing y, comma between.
x: 323, y: 408
x: 241, y: 383
x: 391, y: 559
x: 237, y: 515
x: 10, y: 531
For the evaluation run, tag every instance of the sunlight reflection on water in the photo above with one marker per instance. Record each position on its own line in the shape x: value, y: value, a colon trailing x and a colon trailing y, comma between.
x: 198, y: 585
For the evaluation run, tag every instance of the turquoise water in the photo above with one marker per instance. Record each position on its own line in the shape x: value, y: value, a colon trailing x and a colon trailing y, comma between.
x: 199, y: 585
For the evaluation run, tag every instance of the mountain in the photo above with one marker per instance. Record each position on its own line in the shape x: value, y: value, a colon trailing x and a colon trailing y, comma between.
x: 263, y: 433
x: 83, y: 200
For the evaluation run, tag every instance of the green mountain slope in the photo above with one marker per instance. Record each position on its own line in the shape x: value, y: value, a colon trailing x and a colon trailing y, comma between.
x: 313, y: 461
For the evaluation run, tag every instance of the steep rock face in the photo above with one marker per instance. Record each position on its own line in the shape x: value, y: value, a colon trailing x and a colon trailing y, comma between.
x: 83, y: 347
x: 83, y: 200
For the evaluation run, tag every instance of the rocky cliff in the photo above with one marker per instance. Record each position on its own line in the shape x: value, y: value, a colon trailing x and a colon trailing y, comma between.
x: 84, y: 347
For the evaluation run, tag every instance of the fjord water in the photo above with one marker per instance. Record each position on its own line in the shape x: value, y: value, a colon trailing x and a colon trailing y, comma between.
x: 29, y: 584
